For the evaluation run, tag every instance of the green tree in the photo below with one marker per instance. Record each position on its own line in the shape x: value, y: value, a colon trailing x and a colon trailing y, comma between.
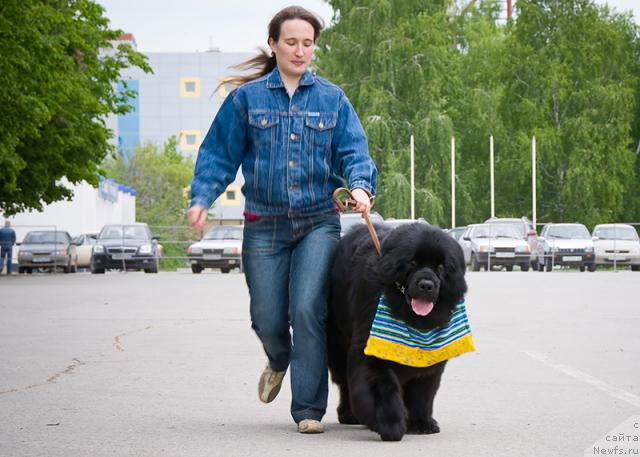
x: 571, y: 79
x: 160, y: 178
x: 57, y: 75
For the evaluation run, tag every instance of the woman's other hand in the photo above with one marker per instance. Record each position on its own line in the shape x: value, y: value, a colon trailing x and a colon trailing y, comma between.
x: 197, y: 216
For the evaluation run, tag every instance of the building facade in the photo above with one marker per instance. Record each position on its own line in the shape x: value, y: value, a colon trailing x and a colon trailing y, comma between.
x: 180, y: 98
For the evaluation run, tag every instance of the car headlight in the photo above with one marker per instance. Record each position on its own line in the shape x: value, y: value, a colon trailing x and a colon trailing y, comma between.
x: 145, y: 249
x: 98, y: 249
x: 22, y: 253
x: 231, y: 251
x: 195, y: 251
x: 486, y: 248
x: 553, y: 249
x: 522, y: 248
x: 588, y: 249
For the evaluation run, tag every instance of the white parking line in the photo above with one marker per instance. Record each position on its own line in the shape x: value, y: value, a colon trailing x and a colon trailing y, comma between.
x: 599, y: 384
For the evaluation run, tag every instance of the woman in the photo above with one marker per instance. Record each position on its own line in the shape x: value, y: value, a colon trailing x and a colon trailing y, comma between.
x: 297, y: 137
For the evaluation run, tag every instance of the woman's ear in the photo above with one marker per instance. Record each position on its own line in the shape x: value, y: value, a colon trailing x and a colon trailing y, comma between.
x: 271, y: 42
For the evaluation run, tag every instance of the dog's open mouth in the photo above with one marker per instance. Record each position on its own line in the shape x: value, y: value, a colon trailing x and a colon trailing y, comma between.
x: 421, y: 306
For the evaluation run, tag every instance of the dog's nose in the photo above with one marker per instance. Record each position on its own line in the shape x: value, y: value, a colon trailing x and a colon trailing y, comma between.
x: 425, y: 285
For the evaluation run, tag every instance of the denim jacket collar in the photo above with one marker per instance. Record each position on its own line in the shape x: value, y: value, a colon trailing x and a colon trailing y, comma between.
x: 274, y: 80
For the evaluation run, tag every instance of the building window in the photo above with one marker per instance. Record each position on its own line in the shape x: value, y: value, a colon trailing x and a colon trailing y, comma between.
x: 190, y: 140
x: 190, y: 87
x: 231, y: 197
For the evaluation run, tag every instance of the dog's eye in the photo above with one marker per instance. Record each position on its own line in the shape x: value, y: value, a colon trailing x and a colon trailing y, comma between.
x: 413, y: 263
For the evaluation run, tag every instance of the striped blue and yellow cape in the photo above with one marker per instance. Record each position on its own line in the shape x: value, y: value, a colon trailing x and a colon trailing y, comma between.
x: 392, y: 339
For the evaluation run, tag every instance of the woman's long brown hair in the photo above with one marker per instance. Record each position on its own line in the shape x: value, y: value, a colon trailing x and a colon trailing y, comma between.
x: 265, y: 62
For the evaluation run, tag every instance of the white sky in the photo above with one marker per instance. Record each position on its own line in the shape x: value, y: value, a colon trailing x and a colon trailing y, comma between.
x: 196, y: 25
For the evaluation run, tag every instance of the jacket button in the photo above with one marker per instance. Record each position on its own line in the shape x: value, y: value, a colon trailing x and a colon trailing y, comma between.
x: 263, y: 122
x: 292, y: 164
x: 321, y: 125
x: 293, y: 136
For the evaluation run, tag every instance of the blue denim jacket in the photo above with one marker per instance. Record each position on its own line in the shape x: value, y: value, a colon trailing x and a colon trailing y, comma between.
x: 294, y: 151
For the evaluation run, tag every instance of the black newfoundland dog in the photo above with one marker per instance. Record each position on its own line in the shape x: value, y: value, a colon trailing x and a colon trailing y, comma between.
x: 421, y: 273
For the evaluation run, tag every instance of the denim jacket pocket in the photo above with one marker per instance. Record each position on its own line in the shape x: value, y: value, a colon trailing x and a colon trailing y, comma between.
x: 321, y: 128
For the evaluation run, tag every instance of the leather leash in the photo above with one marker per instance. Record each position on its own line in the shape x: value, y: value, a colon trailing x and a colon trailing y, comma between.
x: 343, y: 198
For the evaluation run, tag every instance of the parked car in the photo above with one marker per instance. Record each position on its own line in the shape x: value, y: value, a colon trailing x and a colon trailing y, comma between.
x: 523, y: 226
x: 456, y: 232
x: 566, y: 245
x: 125, y: 247
x: 617, y: 243
x: 220, y: 247
x: 393, y: 223
x: 48, y: 249
x: 350, y: 219
x: 84, y: 248
x: 492, y: 245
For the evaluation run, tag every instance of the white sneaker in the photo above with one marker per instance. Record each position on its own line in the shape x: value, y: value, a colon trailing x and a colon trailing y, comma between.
x: 270, y: 383
x: 310, y: 426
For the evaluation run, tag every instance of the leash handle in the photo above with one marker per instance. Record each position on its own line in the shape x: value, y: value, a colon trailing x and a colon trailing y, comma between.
x: 343, y: 198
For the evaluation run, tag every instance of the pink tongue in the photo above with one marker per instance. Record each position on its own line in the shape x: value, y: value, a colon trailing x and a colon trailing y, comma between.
x: 421, y: 307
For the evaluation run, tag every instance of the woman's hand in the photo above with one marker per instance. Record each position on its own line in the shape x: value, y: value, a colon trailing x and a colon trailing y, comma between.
x: 197, y: 216
x: 362, y: 200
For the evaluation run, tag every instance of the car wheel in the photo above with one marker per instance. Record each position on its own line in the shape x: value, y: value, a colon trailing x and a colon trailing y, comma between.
x: 508, y: 267
x: 197, y: 269
x: 475, y: 265
x: 21, y: 270
x: 592, y: 267
x: 97, y: 271
x: 548, y: 265
x: 524, y: 267
x: 635, y: 267
x: 225, y: 270
x: 582, y: 267
x: 534, y: 264
x: 153, y: 269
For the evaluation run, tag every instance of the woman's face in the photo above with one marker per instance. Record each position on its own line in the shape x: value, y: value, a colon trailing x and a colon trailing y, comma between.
x: 295, y: 47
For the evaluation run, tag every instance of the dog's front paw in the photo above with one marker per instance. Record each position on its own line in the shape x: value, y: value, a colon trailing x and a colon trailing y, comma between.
x: 392, y: 432
x: 423, y: 427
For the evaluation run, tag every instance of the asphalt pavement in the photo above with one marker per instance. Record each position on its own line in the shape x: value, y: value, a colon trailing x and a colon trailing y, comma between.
x: 128, y: 364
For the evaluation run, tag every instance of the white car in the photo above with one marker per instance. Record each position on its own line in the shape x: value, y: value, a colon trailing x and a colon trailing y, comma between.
x: 490, y: 245
x: 220, y: 247
x: 84, y: 248
x: 617, y: 243
x: 566, y: 245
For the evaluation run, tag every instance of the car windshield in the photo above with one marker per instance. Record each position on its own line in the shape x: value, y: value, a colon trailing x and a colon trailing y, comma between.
x: 495, y: 231
x: 518, y: 226
x: 224, y: 233
x: 128, y: 232
x: 45, y: 237
x: 616, y: 233
x: 569, y: 232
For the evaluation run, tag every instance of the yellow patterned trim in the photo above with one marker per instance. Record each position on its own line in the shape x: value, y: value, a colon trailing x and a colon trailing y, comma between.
x: 190, y: 87
x: 416, y: 357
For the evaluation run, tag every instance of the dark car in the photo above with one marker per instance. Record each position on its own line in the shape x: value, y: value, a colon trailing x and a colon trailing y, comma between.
x: 47, y: 249
x: 220, y: 247
x: 125, y: 247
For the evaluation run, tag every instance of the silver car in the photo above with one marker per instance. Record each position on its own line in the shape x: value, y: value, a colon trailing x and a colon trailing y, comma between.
x: 48, y: 249
x: 489, y: 245
x: 220, y: 247
x: 351, y: 219
x: 616, y: 243
x: 566, y: 245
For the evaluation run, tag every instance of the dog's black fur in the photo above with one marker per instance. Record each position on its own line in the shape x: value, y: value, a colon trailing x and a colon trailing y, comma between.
x: 418, y: 261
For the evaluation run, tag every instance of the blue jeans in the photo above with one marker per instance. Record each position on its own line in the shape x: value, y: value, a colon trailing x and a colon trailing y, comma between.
x: 287, y: 263
x: 6, y: 253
